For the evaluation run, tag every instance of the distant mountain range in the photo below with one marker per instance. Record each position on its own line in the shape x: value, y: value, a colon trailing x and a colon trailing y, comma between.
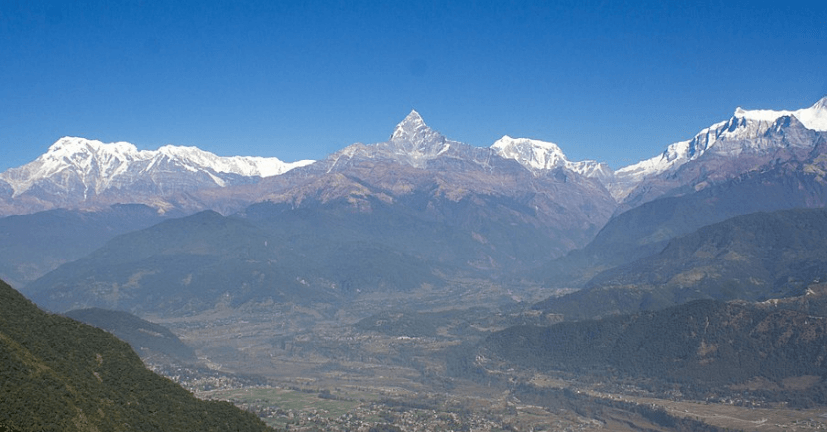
x: 723, y: 151
x: 82, y: 173
x: 753, y: 257
x: 35, y: 244
x: 389, y: 216
x: 416, y: 210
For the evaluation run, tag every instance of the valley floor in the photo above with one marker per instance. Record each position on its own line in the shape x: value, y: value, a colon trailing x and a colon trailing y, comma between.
x: 314, y: 369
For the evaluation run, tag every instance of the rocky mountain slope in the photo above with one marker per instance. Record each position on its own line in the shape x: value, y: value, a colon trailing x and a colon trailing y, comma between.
x: 451, y: 181
x: 645, y: 230
x: 747, y: 141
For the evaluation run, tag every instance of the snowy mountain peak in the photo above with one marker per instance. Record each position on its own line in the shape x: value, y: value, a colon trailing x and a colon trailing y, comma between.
x: 745, y: 124
x: 410, y: 128
x: 412, y: 138
x: 539, y: 155
x: 413, y: 117
x: 85, y: 168
x: 813, y: 118
x: 72, y: 145
x: 747, y: 132
x: 533, y: 154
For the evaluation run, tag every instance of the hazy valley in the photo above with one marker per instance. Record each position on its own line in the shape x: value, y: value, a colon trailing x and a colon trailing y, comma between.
x: 425, y: 284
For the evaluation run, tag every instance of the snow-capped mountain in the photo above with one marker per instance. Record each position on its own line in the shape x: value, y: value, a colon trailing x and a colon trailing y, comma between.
x: 77, y: 171
x: 412, y: 143
x: 412, y: 209
x: 539, y: 155
x: 749, y: 135
x: 533, y: 154
x: 414, y: 139
x: 748, y: 139
x: 415, y: 144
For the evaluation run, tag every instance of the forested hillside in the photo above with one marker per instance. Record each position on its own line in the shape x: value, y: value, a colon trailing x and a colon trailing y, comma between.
x: 57, y: 374
x: 146, y: 338
x: 705, y: 344
x: 752, y: 257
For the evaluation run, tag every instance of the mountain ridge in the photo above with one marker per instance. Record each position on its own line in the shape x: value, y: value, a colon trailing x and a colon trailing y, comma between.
x: 746, y: 133
x: 752, y: 257
x: 77, y: 172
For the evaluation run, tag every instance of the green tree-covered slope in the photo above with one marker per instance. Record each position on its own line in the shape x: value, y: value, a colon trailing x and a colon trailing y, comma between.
x: 57, y: 374
x: 705, y: 343
x: 146, y: 338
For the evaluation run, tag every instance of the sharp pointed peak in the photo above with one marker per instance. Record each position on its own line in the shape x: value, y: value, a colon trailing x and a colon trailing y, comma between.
x: 411, y: 126
x: 413, y: 118
x: 821, y: 104
x: 413, y: 115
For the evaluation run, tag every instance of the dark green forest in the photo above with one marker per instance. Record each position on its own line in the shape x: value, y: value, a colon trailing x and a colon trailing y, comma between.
x: 704, y: 345
x: 752, y: 257
x: 142, y: 335
x: 57, y: 374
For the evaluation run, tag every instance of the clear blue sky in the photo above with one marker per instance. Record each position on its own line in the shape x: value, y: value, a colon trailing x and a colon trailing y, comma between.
x: 611, y: 81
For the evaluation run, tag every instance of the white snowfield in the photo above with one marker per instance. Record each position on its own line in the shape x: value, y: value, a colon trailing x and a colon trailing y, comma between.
x: 539, y: 155
x: 101, y: 165
x: 814, y: 117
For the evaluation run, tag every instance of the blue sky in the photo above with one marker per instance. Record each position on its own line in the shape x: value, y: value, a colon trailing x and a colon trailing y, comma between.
x: 611, y: 81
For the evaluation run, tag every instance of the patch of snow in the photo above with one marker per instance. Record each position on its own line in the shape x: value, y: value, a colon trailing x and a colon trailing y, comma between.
x: 444, y: 149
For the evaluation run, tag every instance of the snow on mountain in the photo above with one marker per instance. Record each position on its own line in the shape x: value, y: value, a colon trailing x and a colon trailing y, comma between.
x: 73, y: 162
x: 533, y: 154
x: 592, y: 169
x: 730, y: 138
x: 675, y: 154
x: 539, y: 155
x: 412, y: 143
x: 814, y: 117
x: 247, y: 166
x: 413, y: 139
x: 77, y: 170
